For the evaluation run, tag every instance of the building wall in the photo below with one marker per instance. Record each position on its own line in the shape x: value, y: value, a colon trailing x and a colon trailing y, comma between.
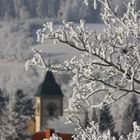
x: 30, y: 126
x: 41, y: 110
x: 37, y: 114
x: 46, y: 101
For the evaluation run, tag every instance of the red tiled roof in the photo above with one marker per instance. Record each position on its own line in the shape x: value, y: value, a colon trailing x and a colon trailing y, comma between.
x: 48, y: 133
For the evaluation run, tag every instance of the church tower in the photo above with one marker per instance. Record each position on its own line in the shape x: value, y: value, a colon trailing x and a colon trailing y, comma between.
x: 48, y: 101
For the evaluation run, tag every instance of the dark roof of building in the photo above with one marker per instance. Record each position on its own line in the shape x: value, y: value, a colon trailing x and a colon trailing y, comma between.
x: 49, y: 87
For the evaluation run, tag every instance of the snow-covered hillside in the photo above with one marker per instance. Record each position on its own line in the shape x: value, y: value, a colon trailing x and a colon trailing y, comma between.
x: 16, y: 40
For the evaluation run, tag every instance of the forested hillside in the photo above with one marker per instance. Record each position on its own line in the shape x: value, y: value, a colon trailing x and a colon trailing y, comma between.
x: 51, y: 9
x: 56, y: 10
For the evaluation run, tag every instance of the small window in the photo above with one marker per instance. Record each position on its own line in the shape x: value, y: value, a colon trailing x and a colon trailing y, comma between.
x: 51, y: 109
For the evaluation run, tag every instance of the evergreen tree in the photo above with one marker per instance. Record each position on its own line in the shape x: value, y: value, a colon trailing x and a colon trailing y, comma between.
x: 130, y: 115
x: 3, y: 100
x: 94, y: 115
x: 106, y: 121
x: 25, y: 104
x: 86, y: 119
x: 14, y: 117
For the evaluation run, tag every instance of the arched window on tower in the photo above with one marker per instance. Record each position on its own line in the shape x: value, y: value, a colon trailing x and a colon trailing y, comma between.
x: 51, y: 109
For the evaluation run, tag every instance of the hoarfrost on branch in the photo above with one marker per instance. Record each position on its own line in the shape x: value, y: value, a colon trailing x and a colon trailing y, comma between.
x: 109, y: 61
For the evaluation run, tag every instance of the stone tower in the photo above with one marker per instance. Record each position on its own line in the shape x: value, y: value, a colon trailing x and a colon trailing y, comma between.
x: 48, y: 101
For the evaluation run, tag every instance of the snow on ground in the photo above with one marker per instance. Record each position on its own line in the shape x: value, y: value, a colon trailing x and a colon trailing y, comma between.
x: 7, y: 67
x: 13, y: 76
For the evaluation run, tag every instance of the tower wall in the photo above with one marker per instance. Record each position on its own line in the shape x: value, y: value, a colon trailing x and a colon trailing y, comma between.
x: 46, y: 102
x: 37, y: 114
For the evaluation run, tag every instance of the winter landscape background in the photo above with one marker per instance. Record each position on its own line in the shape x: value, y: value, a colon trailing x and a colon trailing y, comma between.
x: 19, y: 21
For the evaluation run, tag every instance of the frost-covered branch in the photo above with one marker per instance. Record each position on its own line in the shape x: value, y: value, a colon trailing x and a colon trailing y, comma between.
x: 37, y: 60
x: 109, y: 62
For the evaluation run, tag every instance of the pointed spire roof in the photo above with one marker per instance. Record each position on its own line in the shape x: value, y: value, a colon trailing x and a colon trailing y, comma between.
x: 49, y: 87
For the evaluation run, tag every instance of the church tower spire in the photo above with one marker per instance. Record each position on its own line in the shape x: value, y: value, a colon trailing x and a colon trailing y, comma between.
x: 48, y: 101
